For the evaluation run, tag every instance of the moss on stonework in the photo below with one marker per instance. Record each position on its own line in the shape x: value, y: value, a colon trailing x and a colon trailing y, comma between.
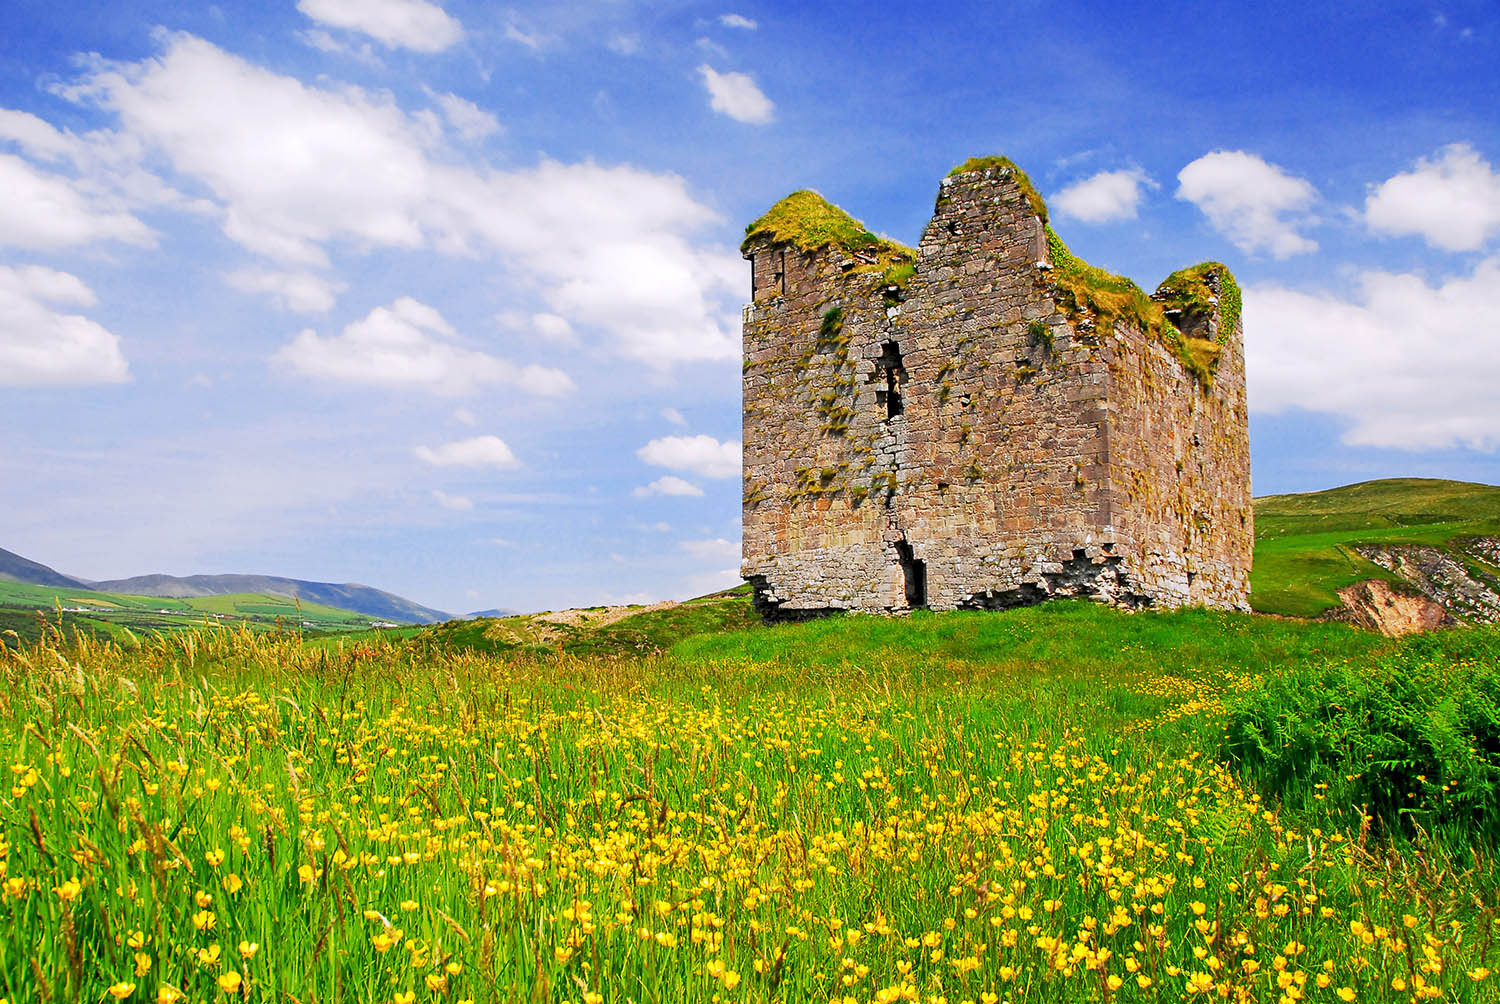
x: 1191, y: 290
x: 1033, y: 197
x: 1111, y: 298
x: 810, y: 222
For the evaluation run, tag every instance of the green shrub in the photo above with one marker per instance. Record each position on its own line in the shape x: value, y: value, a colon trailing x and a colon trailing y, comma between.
x: 1412, y: 737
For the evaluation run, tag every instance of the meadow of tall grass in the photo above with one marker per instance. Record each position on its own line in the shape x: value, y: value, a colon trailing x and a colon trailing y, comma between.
x: 784, y: 814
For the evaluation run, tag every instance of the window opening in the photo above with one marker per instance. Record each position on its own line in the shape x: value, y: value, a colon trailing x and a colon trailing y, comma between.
x: 889, y: 365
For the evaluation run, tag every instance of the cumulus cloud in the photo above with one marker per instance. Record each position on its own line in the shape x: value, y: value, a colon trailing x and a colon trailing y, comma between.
x: 702, y: 455
x: 1255, y: 204
x: 1409, y: 364
x: 46, y: 211
x: 294, y: 169
x: 667, y: 485
x: 478, y: 451
x: 716, y: 548
x: 1452, y: 201
x: 409, y: 346
x: 458, y: 503
x: 300, y: 292
x: 1104, y: 198
x: 736, y: 95
x: 41, y: 347
x: 737, y: 21
x: 408, y: 24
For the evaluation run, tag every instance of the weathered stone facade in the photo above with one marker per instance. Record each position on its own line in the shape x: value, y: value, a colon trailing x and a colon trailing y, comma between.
x: 967, y: 432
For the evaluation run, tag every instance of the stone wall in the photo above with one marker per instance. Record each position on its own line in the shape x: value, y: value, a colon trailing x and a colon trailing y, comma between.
x: 965, y: 441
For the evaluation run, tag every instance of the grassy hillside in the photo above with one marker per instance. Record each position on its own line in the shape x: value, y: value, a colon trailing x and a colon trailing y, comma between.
x: 1023, y: 806
x: 109, y: 614
x: 593, y: 631
x: 1304, y: 544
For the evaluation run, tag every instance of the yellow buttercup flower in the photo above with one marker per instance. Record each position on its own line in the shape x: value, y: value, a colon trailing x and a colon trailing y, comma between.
x: 68, y: 892
x: 230, y: 982
x: 120, y: 991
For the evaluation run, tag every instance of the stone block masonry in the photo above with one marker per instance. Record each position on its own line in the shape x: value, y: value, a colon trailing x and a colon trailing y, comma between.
x: 985, y: 421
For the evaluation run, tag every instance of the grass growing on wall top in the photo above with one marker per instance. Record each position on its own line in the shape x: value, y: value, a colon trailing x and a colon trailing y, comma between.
x: 1033, y: 197
x: 1188, y: 290
x: 810, y: 222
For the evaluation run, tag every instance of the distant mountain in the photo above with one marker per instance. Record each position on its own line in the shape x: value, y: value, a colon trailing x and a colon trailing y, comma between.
x: 346, y: 596
x: 15, y: 568
x: 491, y: 612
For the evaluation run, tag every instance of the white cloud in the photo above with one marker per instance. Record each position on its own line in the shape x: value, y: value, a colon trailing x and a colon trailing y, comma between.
x: 301, y: 292
x: 552, y: 327
x: 716, y: 548
x: 515, y: 34
x: 408, y: 24
x: 46, y: 211
x: 737, y: 21
x: 464, y: 416
x: 674, y: 416
x: 295, y: 169
x: 40, y: 347
x: 458, y: 503
x: 736, y: 95
x: 324, y: 42
x: 37, y: 136
x: 1409, y: 364
x: 478, y: 451
x: 703, y: 455
x: 667, y: 485
x: 1451, y: 201
x: 1106, y: 197
x: 1256, y: 205
x: 467, y: 119
x: 624, y: 44
x: 409, y: 346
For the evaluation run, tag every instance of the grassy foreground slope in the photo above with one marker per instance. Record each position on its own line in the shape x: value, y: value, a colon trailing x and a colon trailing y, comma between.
x: 1022, y: 807
x: 1304, y: 544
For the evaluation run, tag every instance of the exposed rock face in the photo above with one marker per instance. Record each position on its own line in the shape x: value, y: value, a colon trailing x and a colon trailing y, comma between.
x: 974, y: 438
x: 1470, y: 596
x: 1374, y: 604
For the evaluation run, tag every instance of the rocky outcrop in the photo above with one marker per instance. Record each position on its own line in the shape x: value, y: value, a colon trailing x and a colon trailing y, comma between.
x: 1468, y: 594
x: 1379, y: 606
x: 1439, y: 587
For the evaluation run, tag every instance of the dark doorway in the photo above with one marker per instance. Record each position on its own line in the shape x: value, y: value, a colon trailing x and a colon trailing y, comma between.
x: 915, y: 572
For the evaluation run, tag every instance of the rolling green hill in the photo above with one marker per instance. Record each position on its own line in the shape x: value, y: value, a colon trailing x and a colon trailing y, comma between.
x: 1305, y: 544
x: 23, y: 607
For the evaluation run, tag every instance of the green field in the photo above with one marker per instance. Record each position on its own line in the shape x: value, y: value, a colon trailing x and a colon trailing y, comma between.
x: 1304, y: 544
x: 966, y: 807
x: 27, y: 609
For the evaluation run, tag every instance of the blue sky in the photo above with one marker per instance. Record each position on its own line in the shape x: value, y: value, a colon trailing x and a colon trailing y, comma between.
x: 445, y: 298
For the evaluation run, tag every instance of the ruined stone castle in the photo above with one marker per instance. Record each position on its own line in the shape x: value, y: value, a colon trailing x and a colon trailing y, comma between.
x: 985, y: 420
